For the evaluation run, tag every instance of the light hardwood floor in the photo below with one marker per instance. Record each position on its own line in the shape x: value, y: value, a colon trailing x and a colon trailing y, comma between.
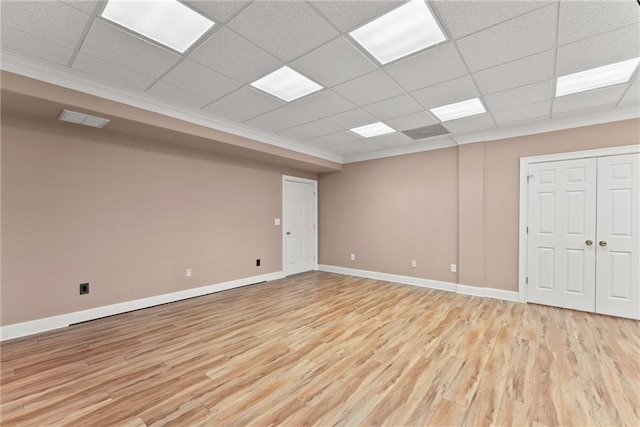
x: 325, y: 349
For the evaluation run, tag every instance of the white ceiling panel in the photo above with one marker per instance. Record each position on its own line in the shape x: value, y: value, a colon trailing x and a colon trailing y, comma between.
x: 178, y: 96
x: 369, y: 88
x: 234, y: 56
x: 286, y: 29
x: 252, y: 101
x: 587, y: 100
x: 228, y: 112
x: 604, y: 49
x: 412, y: 121
x: 310, y: 130
x: 218, y: 10
x: 601, y: 16
x: 393, y: 107
x: 264, y: 124
x: 523, y: 112
x: 361, y: 146
x: 522, y: 95
x: 118, y: 47
x: 33, y: 46
x: 55, y: 22
x: 633, y: 94
x: 334, y: 63
x: 518, y: 73
x: 392, y: 139
x: 105, y: 70
x: 324, y: 103
x: 514, y: 39
x: 445, y: 93
x: 341, y: 137
x: 470, y: 124
x: 86, y: 6
x: 435, y: 65
x: 351, y: 119
x: 347, y: 15
x: 341, y: 149
x: 191, y: 76
x: 288, y: 116
x: 462, y: 18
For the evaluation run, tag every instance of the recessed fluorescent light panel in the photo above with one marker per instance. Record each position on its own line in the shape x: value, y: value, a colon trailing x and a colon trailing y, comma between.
x: 373, y: 129
x: 594, y: 78
x: 405, y: 30
x: 467, y: 108
x: 166, y: 21
x: 286, y: 84
x: 83, y: 119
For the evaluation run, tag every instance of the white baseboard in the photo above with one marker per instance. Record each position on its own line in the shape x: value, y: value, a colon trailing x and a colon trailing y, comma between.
x: 31, y: 327
x: 425, y: 283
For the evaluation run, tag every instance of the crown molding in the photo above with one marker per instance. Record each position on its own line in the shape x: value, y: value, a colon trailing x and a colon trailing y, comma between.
x: 71, y: 79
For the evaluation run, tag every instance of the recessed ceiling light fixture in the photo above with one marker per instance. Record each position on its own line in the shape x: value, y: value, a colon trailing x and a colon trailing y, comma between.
x: 83, y: 119
x: 286, y: 84
x: 168, y: 22
x: 373, y: 129
x: 594, y: 78
x: 405, y: 30
x: 467, y: 108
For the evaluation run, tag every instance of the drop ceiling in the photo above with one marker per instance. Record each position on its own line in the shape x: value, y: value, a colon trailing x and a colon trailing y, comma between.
x: 507, y: 53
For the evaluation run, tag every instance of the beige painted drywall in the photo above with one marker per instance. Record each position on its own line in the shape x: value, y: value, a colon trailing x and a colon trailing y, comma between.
x: 457, y: 205
x: 127, y: 215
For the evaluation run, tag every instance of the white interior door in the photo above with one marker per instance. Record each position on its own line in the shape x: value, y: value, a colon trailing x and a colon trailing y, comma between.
x: 562, y: 234
x: 299, y: 225
x: 618, y: 240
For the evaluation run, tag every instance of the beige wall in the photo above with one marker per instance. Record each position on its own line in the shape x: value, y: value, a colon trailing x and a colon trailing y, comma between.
x: 457, y: 205
x: 128, y: 216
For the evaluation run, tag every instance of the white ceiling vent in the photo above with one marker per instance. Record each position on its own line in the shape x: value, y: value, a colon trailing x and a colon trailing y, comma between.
x: 83, y: 119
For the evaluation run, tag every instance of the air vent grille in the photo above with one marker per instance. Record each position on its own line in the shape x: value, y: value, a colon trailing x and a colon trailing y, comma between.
x: 426, y: 132
x: 83, y: 119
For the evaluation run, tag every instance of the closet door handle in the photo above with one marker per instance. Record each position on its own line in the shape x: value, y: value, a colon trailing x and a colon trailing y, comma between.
x: 589, y: 242
x: 602, y: 243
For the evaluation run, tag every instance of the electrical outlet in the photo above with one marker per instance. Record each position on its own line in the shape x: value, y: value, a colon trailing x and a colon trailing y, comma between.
x: 414, y: 264
x: 84, y: 288
x: 454, y: 268
x: 258, y: 262
x: 188, y: 272
x: 353, y: 257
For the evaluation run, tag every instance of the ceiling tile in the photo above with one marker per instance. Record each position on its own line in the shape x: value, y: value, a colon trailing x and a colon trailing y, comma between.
x: 339, y: 149
x: 341, y: 137
x: 351, y: 119
x: 178, y: 96
x: 199, y: 79
x: 412, y: 121
x: 393, y: 107
x: 369, y: 88
x: 286, y: 29
x: 288, y: 116
x: 334, y: 63
x: 33, y: 46
x: 523, y: 95
x: 470, y: 124
x: 347, y: 15
x: 86, y: 6
x: 228, y: 112
x: 218, y: 10
x: 518, y: 73
x: 361, y: 146
x: 53, y: 21
x: 632, y: 95
x: 118, y: 47
x: 310, y: 130
x: 608, y: 48
x: 392, y: 139
x: 592, y: 99
x: 434, y: 65
x: 601, y: 16
x: 264, y: 124
x: 465, y: 17
x: 234, y: 56
x: 323, y: 103
x: 517, y: 38
x: 446, y: 93
x: 524, y: 112
x: 105, y: 70
x: 252, y: 101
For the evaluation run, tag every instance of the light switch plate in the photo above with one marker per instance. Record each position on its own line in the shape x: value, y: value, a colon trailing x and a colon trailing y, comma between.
x: 276, y: 221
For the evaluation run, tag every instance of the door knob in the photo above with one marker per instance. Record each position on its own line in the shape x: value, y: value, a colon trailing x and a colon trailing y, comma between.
x: 589, y: 242
x: 288, y: 233
x: 602, y: 243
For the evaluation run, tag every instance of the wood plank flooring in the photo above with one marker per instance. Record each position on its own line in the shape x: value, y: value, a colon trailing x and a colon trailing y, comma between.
x: 325, y: 349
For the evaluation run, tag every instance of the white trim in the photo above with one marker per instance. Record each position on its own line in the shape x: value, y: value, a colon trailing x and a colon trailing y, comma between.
x: 524, y: 198
x: 424, y: 283
x: 284, y: 218
x: 31, y: 327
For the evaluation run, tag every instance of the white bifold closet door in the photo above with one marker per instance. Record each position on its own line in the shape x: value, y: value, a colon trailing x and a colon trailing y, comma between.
x: 584, y: 234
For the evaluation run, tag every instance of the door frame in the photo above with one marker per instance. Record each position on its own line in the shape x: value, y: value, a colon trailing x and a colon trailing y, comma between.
x: 524, y: 199
x: 314, y: 182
